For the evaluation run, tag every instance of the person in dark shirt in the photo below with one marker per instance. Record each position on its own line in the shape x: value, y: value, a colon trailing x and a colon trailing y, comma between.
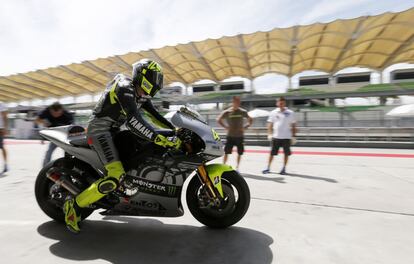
x: 53, y: 116
x: 3, y: 132
x: 235, y: 127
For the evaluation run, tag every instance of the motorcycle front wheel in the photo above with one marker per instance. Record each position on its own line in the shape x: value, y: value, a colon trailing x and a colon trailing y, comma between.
x: 236, y: 201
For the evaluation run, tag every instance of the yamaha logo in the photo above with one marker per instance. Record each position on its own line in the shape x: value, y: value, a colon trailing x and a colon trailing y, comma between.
x: 140, y: 128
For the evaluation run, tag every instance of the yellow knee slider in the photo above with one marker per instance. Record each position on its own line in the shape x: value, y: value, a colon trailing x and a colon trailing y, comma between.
x: 96, y: 191
x: 107, y: 185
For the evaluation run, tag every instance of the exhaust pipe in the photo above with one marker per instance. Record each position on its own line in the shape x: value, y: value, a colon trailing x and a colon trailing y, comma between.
x: 61, y: 181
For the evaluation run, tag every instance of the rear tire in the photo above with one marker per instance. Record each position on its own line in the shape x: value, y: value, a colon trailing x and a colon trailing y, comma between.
x: 230, y: 180
x: 42, y: 188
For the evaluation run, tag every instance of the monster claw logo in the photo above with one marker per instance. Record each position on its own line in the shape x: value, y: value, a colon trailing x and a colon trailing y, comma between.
x: 171, y: 190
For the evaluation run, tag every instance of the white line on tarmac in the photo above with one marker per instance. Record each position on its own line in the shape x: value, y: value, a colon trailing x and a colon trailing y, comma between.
x: 16, y: 223
x: 333, y: 206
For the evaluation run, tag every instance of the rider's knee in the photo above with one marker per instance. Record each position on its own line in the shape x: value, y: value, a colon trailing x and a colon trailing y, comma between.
x: 108, y: 185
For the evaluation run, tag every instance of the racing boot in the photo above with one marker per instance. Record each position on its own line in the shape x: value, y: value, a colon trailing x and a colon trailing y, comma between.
x: 98, y: 189
x: 72, y: 215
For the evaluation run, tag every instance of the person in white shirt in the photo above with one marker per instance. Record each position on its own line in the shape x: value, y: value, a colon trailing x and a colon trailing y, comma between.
x: 281, y: 132
x: 3, y: 133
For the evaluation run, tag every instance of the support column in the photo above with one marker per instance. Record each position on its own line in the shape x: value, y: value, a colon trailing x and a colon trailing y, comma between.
x: 341, y: 117
x: 332, y: 81
x: 252, y: 88
x: 330, y: 102
x: 217, y: 87
x: 305, y: 119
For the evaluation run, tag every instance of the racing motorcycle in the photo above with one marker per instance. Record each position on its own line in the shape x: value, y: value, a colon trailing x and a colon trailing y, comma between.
x: 217, y: 196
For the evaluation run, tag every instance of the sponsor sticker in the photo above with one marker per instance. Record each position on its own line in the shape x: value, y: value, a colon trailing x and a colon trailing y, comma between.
x: 148, y: 205
x: 140, y: 127
x: 157, y: 189
x: 216, y: 180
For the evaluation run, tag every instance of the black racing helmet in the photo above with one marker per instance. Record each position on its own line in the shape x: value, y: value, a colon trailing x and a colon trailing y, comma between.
x: 147, y: 74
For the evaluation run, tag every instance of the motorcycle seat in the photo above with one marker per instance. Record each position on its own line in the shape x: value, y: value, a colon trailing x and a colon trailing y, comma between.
x: 79, y: 141
x: 77, y: 136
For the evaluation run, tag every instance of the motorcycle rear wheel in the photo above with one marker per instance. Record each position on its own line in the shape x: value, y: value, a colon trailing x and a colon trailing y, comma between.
x: 234, y: 209
x: 42, y: 190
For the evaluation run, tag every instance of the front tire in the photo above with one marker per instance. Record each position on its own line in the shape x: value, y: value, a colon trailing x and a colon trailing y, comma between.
x: 42, y: 193
x: 235, y: 209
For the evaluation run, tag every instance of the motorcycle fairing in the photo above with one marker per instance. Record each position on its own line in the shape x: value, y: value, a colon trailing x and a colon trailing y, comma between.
x: 61, y: 137
x: 214, y: 146
x: 215, y: 171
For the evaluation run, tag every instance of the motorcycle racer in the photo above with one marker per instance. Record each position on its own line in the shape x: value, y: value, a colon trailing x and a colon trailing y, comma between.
x: 121, y: 103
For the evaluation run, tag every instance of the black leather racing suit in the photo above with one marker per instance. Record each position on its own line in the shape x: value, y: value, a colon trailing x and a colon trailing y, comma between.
x: 121, y: 105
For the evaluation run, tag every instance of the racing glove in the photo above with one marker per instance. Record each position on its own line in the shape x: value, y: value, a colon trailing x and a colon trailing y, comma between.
x: 168, y: 142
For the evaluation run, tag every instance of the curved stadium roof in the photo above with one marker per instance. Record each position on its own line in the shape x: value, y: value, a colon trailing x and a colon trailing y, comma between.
x: 374, y: 42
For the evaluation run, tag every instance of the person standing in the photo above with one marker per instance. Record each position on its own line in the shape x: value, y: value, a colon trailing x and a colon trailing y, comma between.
x: 281, y: 127
x: 4, y: 124
x: 53, y: 116
x: 235, y: 127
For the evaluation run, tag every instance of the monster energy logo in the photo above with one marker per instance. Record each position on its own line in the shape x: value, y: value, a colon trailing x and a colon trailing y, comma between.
x: 157, y: 189
x: 150, y: 186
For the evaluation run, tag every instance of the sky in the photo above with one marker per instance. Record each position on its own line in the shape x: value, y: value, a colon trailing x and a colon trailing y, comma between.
x: 37, y: 34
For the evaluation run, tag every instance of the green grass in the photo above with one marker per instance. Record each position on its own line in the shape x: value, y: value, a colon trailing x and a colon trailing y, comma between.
x: 301, y: 91
x: 345, y: 109
x: 377, y: 87
x: 407, y: 85
x: 213, y: 95
x: 366, y: 88
x: 386, y: 87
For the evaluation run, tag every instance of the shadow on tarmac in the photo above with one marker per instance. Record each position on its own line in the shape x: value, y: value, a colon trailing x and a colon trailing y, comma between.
x: 282, y: 180
x: 137, y: 240
x: 263, y: 178
x: 312, y: 177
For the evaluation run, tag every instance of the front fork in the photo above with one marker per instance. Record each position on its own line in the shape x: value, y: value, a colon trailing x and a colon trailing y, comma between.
x: 216, y: 194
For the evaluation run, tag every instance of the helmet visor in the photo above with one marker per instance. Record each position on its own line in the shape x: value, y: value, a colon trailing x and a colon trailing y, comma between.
x: 152, y: 82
